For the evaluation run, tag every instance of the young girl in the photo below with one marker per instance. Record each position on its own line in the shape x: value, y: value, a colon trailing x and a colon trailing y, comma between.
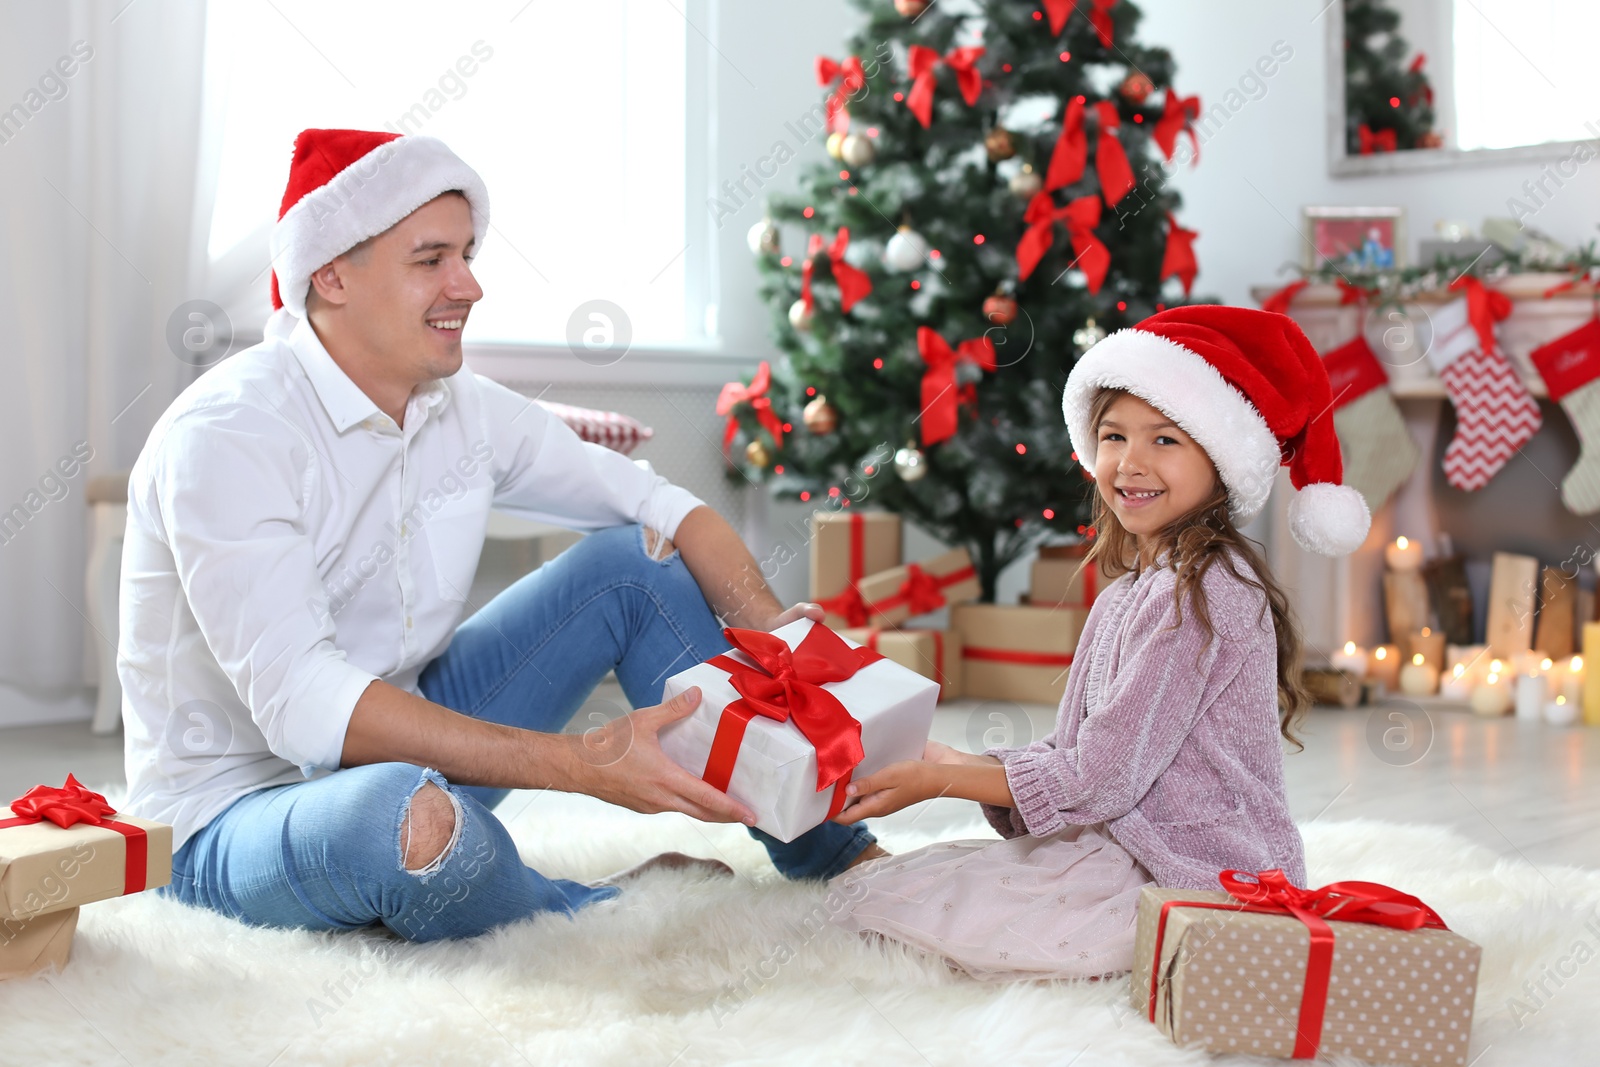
x: 1166, y: 765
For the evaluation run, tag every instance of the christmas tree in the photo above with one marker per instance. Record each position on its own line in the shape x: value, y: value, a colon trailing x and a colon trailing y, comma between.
x: 994, y: 203
x: 1387, y: 106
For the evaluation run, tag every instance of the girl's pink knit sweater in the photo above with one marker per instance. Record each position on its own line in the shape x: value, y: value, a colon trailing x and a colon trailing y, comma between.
x: 1173, y: 745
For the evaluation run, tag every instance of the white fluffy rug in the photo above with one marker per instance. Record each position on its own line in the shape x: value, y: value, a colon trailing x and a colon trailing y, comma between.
x: 688, y: 970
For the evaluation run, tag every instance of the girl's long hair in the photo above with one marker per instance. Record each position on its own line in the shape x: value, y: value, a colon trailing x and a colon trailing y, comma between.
x: 1197, y: 540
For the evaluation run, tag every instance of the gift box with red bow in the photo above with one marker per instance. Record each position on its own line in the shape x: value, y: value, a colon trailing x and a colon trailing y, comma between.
x: 897, y: 594
x: 1266, y: 968
x: 1015, y: 652
x: 788, y: 718
x: 846, y: 546
x: 1060, y: 577
x: 28, y: 946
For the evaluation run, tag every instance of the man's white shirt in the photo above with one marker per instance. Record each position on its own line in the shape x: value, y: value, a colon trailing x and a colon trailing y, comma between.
x: 288, y: 544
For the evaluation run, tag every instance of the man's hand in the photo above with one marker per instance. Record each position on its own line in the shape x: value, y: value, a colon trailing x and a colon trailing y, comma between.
x: 897, y: 786
x: 625, y: 766
x: 803, y: 610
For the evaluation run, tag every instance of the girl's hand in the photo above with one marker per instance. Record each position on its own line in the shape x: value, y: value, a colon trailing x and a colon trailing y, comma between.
x: 897, y: 786
x: 939, y: 753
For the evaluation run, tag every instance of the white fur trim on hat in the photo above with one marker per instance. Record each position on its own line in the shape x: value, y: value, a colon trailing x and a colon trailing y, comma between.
x: 363, y: 200
x: 1329, y: 519
x: 1193, y: 394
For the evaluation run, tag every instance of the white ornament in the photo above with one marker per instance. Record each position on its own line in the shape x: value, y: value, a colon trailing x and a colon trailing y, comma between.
x: 763, y: 238
x: 800, y: 316
x: 906, y: 250
x: 1025, y: 183
x: 857, y: 150
x: 910, y: 464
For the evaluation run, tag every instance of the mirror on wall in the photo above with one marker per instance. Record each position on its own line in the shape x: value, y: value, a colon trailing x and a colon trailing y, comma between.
x: 1426, y: 83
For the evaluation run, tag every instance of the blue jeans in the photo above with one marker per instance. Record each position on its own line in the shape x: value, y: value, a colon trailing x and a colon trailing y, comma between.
x: 326, y: 854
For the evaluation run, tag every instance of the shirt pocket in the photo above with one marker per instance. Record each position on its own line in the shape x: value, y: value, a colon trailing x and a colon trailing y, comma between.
x: 455, y: 541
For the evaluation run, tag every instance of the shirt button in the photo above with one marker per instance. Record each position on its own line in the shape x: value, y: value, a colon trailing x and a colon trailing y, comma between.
x: 402, y: 529
x: 408, y: 621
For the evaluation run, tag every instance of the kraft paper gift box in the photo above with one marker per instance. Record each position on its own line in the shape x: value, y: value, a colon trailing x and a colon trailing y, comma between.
x: 1229, y: 980
x: 846, y: 546
x: 776, y: 766
x: 895, y: 595
x: 931, y: 653
x: 46, y: 867
x: 1020, y: 653
x: 1060, y: 577
x: 28, y: 946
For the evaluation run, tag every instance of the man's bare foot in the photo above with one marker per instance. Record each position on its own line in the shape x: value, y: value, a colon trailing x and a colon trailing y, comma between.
x: 668, y: 861
x: 873, y: 851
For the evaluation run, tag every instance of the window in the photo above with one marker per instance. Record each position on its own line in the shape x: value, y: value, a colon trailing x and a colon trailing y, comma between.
x: 1522, y: 71
x: 573, y: 113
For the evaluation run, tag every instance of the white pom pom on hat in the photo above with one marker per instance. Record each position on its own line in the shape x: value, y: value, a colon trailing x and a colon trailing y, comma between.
x: 1250, y: 389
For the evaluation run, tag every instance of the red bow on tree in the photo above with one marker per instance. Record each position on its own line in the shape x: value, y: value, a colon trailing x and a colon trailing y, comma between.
x: 1100, y: 16
x: 851, y: 78
x: 64, y: 806
x: 940, y: 397
x: 1485, y: 307
x: 1080, y: 217
x: 920, y: 66
x: 1376, y: 141
x: 1177, y: 117
x: 853, y: 282
x: 1416, y: 68
x: 1178, y: 261
x: 1071, y: 152
x: 1110, y: 160
x: 754, y: 394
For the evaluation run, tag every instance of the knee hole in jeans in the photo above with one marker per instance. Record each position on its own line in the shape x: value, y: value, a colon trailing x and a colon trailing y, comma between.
x: 656, y: 547
x: 431, y: 827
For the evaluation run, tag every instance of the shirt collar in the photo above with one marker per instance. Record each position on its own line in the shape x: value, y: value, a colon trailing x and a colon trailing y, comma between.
x: 344, y: 400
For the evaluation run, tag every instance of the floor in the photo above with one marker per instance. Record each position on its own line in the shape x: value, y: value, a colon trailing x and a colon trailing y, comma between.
x: 1523, y: 789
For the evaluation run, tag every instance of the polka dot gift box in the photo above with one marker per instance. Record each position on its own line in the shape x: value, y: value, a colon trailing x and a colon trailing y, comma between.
x: 1270, y: 969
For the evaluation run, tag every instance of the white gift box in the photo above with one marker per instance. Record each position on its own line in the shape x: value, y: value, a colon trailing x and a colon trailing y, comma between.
x: 776, y: 772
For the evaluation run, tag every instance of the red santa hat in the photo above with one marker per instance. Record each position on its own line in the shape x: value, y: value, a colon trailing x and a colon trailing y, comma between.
x: 348, y: 185
x: 1248, y: 387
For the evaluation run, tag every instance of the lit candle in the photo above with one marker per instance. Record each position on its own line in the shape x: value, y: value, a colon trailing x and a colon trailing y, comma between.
x: 1533, y: 692
x: 1491, y: 697
x: 1419, y: 677
x: 1561, y: 712
x: 1427, y: 642
x: 1457, y: 685
x: 1385, y: 666
x: 1352, y: 659
x: 1572, y: 683
x: 1403, y: 555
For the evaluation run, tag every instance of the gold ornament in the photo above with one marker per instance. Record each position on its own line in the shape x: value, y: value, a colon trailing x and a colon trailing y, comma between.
x: 857, y: 150
x: 836, y: 144
x: 910, y: 464
x: 800, y: 316
x: 820, y: 416
x: 758, y: 454
x: 911, y: 8
x: 1088, y: 336
x: 763, y: 238
x: 1136, y: 88
x: 998, y: 143
x: 1026, y: 183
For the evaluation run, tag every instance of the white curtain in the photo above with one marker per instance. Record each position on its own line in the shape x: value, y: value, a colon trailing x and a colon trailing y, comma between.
x: 101, y: 241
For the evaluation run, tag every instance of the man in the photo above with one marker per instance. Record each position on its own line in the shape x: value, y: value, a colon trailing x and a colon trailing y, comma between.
x: 303, y: 524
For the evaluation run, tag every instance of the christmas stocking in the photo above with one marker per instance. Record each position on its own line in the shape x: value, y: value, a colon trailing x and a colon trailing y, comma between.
x: 1495, y: 413
x: 1570, y: 367
x: 1378, y: 452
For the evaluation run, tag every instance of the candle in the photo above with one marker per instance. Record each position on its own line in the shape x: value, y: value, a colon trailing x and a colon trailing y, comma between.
x: 1403, y: 555
x: 1532, y: 693
x: 1385, y: 666
x: 1419, y: 678
x: 1591, y: 686
x: 1491, y: 696
x: 1352, y: 659
x: 1572, y: 683
x: 1561, y: 712
x: 1457, y: 685
x: 1427, y: 642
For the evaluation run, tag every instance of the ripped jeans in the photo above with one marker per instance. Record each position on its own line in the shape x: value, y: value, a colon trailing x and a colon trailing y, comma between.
x: 326, y: 854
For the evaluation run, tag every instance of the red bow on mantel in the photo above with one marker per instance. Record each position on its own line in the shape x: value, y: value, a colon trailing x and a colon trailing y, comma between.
x: 1080, y: 217
x: 787, y: 685
x: 72, y: 804
x: 755, y: 394
x: 939, y: 393
x: 920, y: 65
x: 1177, y: 117
x: 853, y: 282
x: 1485, y: 307
x: 851, y: 78
x: 1279, y: 301
x: 1376, y: 140
x: 1271, y: 893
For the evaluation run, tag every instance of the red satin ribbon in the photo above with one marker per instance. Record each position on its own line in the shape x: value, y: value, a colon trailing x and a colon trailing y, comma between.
x: 849, y: 603
x: 1100, y: 16
x: 922, y: 592
x: 1485, y: 307
x: 853, y: 282
x: 920, y: 66
x: 1071, y: 152
x: 787, y: 685
x: 1110, y: 159
x: 940, y: 397
x: 851, y: 78
x: 1271, y: 893
x: 1177, y: 117
x: 754, y: 394
x: 1178, y: 261
x: 1012, y: 655
x: 1081, y: 216
x: 1279, y: 301
x: 72, y: 804
x: 1376, y: 141
x: 1578, y: 275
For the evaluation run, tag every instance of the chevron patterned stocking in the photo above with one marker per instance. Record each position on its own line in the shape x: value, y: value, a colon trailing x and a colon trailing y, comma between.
x: 1570, y: 367
x: 1495, y: 413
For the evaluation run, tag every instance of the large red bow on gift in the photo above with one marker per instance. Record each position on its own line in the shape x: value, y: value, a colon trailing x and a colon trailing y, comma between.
x: 1177, y: 117
x: 64, y: 806
x: 1271, y: 892
x: 755, y: 394
x: 920, y: 65
x: 1071, y: 152
x: 1179, y: 260
x: 1376, y: 140
x: 787, y: 685
x: 1080, y: 217
x: 853, y: 282
x: 851, y: 78
x: 1485, y: 307
x: 939, y: 393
